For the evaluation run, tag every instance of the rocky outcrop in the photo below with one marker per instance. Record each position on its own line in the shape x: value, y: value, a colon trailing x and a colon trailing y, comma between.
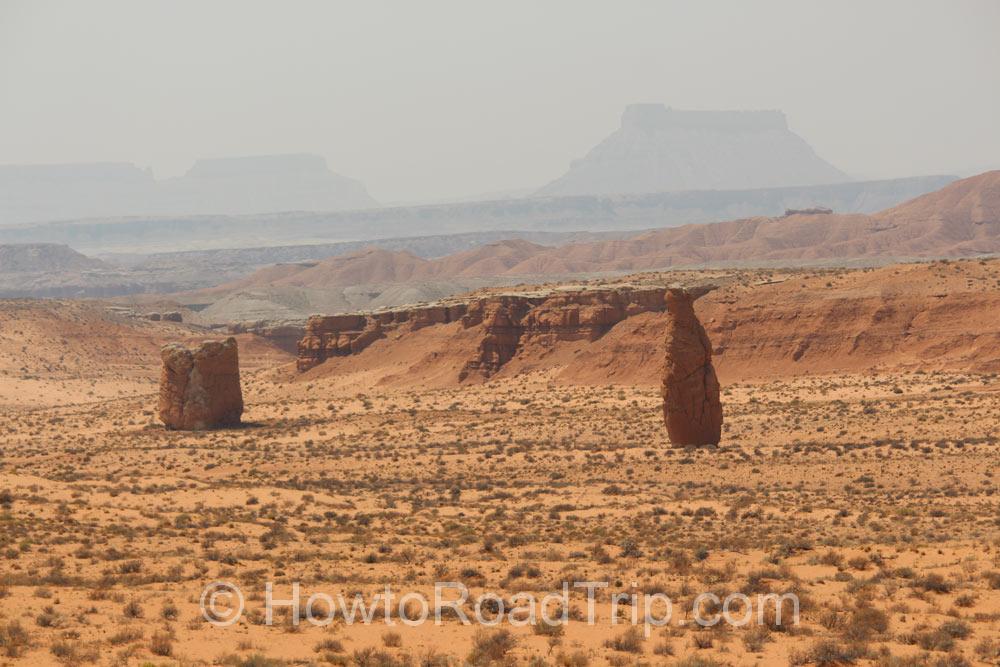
x: 503, y: 321
x: 508, y: 322
x: 172, y: 316
x: 329, y: 336
x: 512, y: 321
x: 691, y: 406
x: 200, y: 388
x: 285, y: 334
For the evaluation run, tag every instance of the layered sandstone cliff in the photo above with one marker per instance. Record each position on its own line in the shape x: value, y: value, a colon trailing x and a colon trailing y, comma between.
x: 510, y: 322
x: 328, y: 336
x: 762, y: 324
x: 505, y: 323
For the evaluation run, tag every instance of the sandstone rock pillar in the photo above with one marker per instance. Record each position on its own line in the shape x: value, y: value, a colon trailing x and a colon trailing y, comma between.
x: 691, y: 407
x: 200, y: 387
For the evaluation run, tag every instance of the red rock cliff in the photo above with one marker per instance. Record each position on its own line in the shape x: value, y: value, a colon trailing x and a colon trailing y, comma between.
x: 511, y: 321
x: 507, y: 322
x: 691, y: 407
x: 329, y: 336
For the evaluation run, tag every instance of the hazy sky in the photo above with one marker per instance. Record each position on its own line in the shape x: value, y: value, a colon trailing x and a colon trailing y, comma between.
x: 429, y: 99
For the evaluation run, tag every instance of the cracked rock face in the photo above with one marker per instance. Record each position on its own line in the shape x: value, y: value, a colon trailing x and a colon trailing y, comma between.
x: 691, y: 407
x: 200, y: 387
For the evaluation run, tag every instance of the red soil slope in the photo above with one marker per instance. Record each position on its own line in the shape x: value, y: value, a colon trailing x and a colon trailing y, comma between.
x: 74, y: 339
x: 961, y: 219
x: 933, y: 316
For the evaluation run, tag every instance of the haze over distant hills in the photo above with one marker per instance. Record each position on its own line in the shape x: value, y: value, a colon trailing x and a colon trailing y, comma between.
x: 658, y: 149
x: 960, y: 220
x: 153, y: 234
x: 261, y: 184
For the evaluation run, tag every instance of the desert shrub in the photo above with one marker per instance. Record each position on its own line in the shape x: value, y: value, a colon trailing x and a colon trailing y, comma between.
x: 832, y: 620
x: 547, y: 629
x: 988, y: 650
x: 757, y: 581
x: 255, y: 660
x: 574, y: 659
x: 74, y: 653
x: 630, y: 549
x: 329, y: 645
x: 698, y: 661
x: 663, y: 648
x: 132, y: 610
x: 933, y: 582
x: 828, y: 653
x: 950, y: 660
x: 755, y: 638
x: 14, y: 639
x: 931, y: 640
x: 431, y: 658
x: 601, y: 555
x: 832, y: 557
x: 966, y: 600
x: 858, y: 563
x: 126, y: 635
x: 629, y: 641
x: 865, y: 623
x: 528, y: 570
x: 130, y: 567
x: 491, y: 648
x: 48, y: 618
x: 161, y: 644
x: 956, y: 629
x: 679, y: 561
x: 371, y: 657
x: 392, y: 639
x: 169, y: 611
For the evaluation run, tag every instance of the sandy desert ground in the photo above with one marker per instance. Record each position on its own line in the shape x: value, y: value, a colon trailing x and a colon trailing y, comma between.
x: 857, y: 473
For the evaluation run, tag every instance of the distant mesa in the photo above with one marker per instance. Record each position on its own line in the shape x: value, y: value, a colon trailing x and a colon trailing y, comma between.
x: 40, y: 258
x: 261, y: 184
x: 659, y: 149
x: 264, y: 184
